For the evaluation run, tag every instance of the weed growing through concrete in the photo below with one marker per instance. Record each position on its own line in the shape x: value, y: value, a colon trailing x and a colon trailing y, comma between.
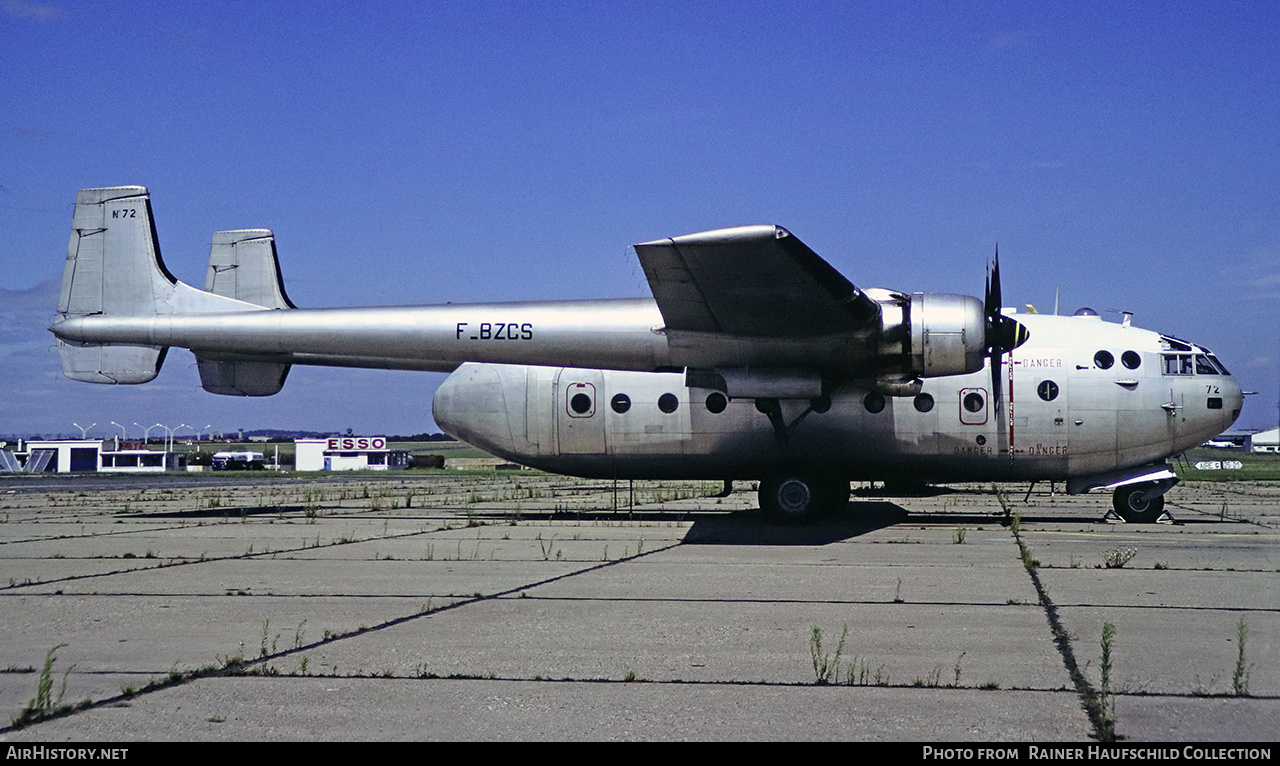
x: 1029, y: 561
x: 958, y: 536
x: 858, y: 673
x: 1106, y: 693
x: 1240, y: 676
x: 1118, y: 557
x: 266, y: 631
x: 932, y: 681
x: 45, y: 704
x: 825, y: 667
x: 1002, y: 498
x: 956, y: 681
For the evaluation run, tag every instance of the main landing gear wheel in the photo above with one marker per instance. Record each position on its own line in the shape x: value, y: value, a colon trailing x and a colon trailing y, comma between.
x: 1135, y: 507
x: 802, y: 499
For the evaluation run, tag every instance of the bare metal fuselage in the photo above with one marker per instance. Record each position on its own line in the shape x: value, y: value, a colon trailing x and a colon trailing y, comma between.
x: 1098, y: 420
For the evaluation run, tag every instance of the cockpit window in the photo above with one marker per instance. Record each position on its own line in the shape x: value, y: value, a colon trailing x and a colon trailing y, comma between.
x: 1218, y: 363
x: 1204, y: 366
x: 1177, y: 364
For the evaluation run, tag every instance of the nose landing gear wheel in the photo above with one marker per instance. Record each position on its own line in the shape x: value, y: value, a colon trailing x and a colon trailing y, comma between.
x: 1133, y: 505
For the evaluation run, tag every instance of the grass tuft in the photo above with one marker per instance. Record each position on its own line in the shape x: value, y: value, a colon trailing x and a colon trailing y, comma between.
x: 825, y: 667
x: 1106, y: 692
x: 45, y: 703
x: 1240, y: 676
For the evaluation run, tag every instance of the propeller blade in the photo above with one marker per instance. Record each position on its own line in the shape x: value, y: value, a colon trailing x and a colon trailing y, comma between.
x: 995, y: 285
x: 1004, y: 334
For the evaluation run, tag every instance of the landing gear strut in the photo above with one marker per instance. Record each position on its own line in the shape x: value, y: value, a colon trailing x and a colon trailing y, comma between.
x: 801, y: 499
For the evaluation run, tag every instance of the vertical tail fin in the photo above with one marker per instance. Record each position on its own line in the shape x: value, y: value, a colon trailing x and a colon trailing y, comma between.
x: 113, y: 258
x: 243, y: 265
x: 113, y: 267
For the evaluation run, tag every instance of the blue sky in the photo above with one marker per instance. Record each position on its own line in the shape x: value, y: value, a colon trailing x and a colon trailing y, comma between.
x: 1126, y: 154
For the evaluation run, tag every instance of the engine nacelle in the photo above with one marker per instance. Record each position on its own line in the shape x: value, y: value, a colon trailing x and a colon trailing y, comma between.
x: 930, y: 335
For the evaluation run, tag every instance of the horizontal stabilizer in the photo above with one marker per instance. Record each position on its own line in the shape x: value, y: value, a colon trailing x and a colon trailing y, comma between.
x: 111, y: 364
x: 243, y: 265
x: 234, y: 378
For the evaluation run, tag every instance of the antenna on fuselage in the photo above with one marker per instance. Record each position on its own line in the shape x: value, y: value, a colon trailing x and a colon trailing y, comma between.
x: 1126, y: 317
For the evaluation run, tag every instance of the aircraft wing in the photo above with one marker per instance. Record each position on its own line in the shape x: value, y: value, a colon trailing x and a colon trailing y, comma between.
x: 756, y: 281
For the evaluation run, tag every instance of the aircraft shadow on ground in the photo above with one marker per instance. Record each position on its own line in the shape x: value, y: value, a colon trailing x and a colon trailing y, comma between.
x: 753, y: 528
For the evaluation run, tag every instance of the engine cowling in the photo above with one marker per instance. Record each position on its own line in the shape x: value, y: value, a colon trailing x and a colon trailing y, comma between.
x: 930, y: 335
x: 948, y: 334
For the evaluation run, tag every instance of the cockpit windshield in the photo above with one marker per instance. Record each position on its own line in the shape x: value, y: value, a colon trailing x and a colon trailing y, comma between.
x: 1186, y: 364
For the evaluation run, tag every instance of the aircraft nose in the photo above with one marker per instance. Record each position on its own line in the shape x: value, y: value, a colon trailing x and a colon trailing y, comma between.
x: 1233, y: 397
x: 471, y: 405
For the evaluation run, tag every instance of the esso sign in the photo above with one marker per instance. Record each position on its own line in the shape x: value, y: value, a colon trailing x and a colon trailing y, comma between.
x: 357, y: 443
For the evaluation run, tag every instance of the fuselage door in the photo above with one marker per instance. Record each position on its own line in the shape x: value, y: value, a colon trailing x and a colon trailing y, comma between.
x: 580, y: 424
x: 973, y: 406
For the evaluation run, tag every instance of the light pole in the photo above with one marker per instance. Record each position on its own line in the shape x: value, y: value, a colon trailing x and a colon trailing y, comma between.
x: 123, y: 434
x: 146, y: 432
x: 193, y: 428
x: 169, y: 446
x: 84, y: 430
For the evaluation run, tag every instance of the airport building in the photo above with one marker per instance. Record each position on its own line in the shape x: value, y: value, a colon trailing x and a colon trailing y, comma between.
x: 1265, y: 441
x: 348, y: 453
x: 87, y: 455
